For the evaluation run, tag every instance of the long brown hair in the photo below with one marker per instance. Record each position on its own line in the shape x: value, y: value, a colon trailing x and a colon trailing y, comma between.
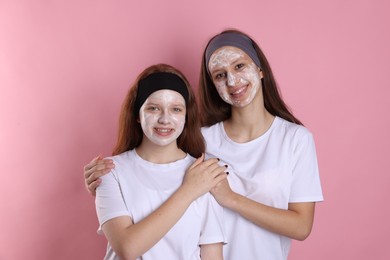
x: 130, y: 132
x: 212, y: 107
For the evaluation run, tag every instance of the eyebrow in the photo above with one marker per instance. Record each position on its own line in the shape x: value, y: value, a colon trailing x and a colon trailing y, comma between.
x: 234, y: 61
x: 179, y: 104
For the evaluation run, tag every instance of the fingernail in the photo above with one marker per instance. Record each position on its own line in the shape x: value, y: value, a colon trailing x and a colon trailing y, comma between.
x: 227, y: 173
x: 226, y: 165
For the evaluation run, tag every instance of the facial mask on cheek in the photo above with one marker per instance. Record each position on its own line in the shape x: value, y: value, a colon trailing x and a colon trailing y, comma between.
x: 237, y: 84
x: 251, y: 74
x: 162, y: 126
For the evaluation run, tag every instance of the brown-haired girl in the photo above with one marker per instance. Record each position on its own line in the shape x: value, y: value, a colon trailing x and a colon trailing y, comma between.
x: 270, y: 194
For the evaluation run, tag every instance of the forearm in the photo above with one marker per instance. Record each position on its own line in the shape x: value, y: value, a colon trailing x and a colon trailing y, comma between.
x: 211, y: 251
x: 295, y: 222
x: 135, y: 239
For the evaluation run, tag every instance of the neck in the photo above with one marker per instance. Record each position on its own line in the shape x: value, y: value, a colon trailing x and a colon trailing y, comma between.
x: 249, y: 122
x: 160, y: 154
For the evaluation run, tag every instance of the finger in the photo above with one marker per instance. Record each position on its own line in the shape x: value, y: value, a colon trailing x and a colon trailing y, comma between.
x: 97, y: 158
x: 204, y: 166
x: 96, y: 175
x: 210, y: 161
x: 92, y: 162
x: 219, y: 178
x: 216, y: 167
x: 96, y: 161
x: 197, y: 162
x: 96, y: 172
x: 217, y: 170
x: 92, y: 187
x: 87, y: 173
x: 106, y: 164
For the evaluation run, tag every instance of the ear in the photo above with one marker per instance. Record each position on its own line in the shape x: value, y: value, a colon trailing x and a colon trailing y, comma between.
x: 261, y: 73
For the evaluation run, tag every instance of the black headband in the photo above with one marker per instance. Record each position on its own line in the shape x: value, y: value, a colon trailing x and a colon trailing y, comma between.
x: 158, y: 81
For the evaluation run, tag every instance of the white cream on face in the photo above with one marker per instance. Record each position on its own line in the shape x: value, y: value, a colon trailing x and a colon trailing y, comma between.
x: 235, y: 76
x: 162, y: 116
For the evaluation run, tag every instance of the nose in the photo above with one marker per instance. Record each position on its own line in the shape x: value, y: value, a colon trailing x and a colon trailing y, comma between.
x: 231, y: 79
x: 164, y: 117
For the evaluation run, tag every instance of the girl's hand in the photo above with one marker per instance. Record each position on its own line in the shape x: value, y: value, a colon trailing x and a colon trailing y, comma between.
x: 202, y: 176
x: 222, y: 193
x: 94, y: 170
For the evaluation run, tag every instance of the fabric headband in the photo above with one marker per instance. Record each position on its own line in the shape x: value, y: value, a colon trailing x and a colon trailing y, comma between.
x: 232, y: 39
x: 158, y: 81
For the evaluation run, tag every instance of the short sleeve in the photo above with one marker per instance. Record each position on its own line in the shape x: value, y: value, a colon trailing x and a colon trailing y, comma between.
x: 306, y: 184
x: 109, y: 200
x: 213, y: 229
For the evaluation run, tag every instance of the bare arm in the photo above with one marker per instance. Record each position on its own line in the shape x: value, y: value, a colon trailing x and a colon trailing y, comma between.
x: 211, y: 251
x: 296, y: 222
x: 132, y: 240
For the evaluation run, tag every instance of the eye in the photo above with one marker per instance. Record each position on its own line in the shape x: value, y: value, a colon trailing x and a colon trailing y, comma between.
x: 239, y: 66
x: 219, y: 75
x: 178, y: 109
x: 152, y: 108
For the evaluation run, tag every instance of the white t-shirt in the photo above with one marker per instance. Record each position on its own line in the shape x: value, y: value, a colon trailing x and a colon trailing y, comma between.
x: 137, y: 187
x: 275, y: 169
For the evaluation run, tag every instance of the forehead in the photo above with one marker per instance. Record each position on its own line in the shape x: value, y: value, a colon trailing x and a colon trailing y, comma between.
x: 226, y: 54
x: 166, y: 95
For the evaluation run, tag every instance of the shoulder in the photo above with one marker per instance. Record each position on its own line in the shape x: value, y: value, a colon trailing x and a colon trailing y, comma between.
x: 184, y: 163
x: 210, y: 130
x: 122, y: 158
x: 122, y: 162
x: 291, y: 129
x: 297, y: 137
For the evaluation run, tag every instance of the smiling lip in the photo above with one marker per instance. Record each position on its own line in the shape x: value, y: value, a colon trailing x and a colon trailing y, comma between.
x: 239, y: 92
x: 164, y: 131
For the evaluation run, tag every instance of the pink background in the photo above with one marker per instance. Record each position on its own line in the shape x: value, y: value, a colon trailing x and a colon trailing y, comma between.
x: 65, y: 67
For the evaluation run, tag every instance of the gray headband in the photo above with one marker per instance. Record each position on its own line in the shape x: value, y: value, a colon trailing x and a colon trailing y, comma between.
x: 232, y: 39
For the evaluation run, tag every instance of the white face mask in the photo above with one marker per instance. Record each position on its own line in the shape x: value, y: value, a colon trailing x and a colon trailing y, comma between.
x: 236, y: 77
x: 163, y: 116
